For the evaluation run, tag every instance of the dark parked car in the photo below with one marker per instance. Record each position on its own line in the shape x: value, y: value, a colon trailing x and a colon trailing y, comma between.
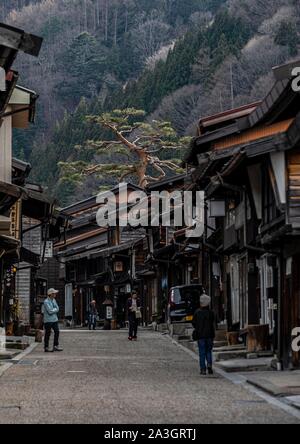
x: 183, y: 302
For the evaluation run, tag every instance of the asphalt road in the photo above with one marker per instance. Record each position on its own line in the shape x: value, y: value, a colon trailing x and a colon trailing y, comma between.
x: 101, y: 377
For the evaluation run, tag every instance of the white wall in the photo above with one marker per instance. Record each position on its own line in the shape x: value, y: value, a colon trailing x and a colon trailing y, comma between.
x: 6, y: 149
x: 23, y: 287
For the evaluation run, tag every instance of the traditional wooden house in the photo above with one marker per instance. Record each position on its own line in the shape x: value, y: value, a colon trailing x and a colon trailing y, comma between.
x: 16, y: 110
x: 172, y: 257
x: 40, y: 225
x: 98, y: 263
x: 33, y: 223
x: 248, y: 162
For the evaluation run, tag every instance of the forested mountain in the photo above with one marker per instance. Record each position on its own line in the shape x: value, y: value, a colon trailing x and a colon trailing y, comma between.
x: 176, y: 59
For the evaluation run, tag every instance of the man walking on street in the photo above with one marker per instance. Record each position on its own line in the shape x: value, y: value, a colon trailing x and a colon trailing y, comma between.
x: 204, y: 324
x: 51, y: 311
x: 134, y: 315
x: 93, y: 313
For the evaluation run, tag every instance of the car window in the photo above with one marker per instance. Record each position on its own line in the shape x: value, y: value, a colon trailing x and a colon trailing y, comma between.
x: 191, y: 295
x: 188, y: 295
x: 176, y: 296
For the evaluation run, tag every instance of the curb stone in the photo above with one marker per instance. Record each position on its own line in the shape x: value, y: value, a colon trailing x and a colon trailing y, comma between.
x: 18, y: 358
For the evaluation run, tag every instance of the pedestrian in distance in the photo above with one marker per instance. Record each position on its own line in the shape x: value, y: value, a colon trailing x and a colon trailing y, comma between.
x: 134, y: 315
x: 204, y: 334
x: 93, y: 313
x: 50, y: 312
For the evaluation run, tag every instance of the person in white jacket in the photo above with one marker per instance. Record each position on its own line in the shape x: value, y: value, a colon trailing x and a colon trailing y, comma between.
x: 51, y: 311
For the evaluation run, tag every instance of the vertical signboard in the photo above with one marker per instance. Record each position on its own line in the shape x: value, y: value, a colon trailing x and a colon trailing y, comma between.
x: 69, y: 301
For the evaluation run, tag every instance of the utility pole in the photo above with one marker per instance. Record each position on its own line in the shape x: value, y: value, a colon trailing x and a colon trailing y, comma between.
x: 231, y: 85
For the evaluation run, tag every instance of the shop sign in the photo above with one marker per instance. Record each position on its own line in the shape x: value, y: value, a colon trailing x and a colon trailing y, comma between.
x: 109, y: 313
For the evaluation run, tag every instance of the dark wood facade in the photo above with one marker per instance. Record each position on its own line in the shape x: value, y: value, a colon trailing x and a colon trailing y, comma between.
x: 251, y: 164
x: 21, y: 250
x: 98, y: 263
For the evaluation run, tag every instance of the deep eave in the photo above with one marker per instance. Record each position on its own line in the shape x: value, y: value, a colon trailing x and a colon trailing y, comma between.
x: 224, y: 118
x: 20, y: 172
x: 9, y: 194
x: 281, y: 103
x: 13, y: 40
x: 36, y: 205
x: 169, y: 181
x: 95, y: 250
x: 91, y: 202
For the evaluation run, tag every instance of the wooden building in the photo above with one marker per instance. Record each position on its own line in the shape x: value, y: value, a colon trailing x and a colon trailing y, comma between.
x: 172, y: 258
x: 28, y: 220
x: 41, y: 224
x: 33, y: 223
x: 248, y: 161
x: 17, y: 108
x: 98, y: 263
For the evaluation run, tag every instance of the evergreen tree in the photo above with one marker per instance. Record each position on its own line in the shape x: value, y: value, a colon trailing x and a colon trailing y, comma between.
x: 287, y: 35
x: 145, y: 146
x: 86, y: 61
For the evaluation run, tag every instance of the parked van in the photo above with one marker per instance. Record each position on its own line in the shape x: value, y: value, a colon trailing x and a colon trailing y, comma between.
x: 183, y: 302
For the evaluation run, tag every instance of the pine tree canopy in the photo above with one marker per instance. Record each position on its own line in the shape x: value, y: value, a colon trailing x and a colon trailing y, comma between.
x: 149, y: 149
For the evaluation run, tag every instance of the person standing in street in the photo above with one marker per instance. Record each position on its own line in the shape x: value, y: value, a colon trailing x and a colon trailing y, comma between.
x: 134, y: 315
x: 204, y: 325
x: 51, y: 311
x: 93, y: 313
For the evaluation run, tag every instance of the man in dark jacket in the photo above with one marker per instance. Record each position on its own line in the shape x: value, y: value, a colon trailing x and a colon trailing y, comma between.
x: 134, y: 309
x: 204, y: 324
x: 92, y: 315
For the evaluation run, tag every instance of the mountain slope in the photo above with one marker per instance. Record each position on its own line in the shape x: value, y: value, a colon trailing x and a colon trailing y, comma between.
x: 191, y: 59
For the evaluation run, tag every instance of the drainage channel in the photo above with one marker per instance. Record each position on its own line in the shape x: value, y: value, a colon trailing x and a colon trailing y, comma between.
x: 10, y: 407
x: 25, y: 362
x: 245, y: 401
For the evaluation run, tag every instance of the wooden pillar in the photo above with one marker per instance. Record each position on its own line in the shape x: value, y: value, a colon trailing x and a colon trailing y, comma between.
x: 1, y: 293
x: 81, y: 308
x: 295, y: 305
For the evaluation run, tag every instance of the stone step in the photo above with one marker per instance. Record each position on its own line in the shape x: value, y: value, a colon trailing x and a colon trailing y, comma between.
x: 179, y: 329
x: 181, y: 338
x: 263, y: 354
x: 230, y: 348
x: 7, y: 355
x: 16, y: 346
x: 218, y: 344
x: 246, y: 365
x: 230, y: 355
x: 24, y: 339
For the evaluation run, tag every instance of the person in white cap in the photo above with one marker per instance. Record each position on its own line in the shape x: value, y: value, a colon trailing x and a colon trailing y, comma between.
x: 204, y: 324
x: 51, y: 311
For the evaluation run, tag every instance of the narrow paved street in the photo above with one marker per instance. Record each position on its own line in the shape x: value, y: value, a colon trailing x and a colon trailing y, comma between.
x: 102, y: 378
